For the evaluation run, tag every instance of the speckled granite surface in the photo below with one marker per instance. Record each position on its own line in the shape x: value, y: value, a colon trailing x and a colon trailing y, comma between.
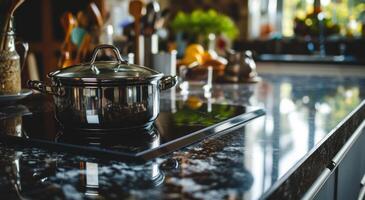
x: 244, y: 164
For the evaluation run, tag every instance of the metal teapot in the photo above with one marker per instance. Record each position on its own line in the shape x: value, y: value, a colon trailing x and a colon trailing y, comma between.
x: 241, y: 67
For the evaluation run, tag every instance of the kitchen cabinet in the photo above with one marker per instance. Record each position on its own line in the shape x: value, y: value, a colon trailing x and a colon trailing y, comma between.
x: 343, y: 182
x: 351, y: 169
x: 327, y: 190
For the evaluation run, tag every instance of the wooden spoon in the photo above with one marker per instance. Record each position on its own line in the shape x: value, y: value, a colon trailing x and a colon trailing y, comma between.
x: 68, y: 23
x: 83, y: 49
x: 135, y: 9
x: 95, y: 14
x: 102, y: 7
x: 83, y: 19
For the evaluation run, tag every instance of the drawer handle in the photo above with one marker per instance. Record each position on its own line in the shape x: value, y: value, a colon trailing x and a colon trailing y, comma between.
x: 362, y: 189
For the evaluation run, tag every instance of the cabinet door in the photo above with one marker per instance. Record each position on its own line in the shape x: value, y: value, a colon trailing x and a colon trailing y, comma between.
x: 327, y: 191
x: 351, y: 169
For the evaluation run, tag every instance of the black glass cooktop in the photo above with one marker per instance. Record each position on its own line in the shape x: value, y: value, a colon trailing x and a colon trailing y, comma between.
x: 179, y: 124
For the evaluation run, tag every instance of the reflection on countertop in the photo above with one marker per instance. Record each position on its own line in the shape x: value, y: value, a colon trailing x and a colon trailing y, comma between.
x: 300, y: 111
x: 313, y: 58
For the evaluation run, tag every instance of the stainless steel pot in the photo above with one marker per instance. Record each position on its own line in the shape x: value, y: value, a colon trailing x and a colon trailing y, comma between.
x: 106, y: 94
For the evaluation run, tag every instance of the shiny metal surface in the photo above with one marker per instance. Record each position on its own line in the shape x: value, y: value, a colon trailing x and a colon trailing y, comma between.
x: 106, y: 46
x: 108, y: 107
x: 101, y: 72
x: 106, y: 95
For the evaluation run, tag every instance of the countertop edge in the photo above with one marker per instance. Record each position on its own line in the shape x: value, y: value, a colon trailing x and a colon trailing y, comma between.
x: 284, y: 187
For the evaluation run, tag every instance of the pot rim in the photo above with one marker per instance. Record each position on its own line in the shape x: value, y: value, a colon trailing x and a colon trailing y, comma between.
x: 102, y: 72
x: 101, y: 82
x: 132, y: 80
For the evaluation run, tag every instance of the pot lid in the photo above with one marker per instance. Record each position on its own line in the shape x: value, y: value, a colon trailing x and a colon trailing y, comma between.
x: 106, y: 71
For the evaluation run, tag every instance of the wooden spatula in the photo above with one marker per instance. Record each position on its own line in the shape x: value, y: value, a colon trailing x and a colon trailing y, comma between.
x: 95, y: 13
x: 68, y: 23
x: 135, y: 9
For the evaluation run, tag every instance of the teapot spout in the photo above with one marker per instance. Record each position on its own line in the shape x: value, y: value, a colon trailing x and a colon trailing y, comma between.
x: 7, y: 9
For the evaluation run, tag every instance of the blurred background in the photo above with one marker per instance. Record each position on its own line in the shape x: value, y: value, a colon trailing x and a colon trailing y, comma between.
x: 275, y: 27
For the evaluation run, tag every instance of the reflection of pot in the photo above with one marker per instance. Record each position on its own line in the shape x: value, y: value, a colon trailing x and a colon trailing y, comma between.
x: 89, y: 180
x: 106, y: 94
x: 91, y: 185
x: 129, y: 141
x: 29, y: 180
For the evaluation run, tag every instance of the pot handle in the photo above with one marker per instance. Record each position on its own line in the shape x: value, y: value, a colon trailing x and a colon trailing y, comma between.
x: 106, y: 46
x: 40, y: 86
x: 167, y: 82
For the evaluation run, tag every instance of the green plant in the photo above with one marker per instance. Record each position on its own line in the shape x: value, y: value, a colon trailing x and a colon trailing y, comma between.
x: 201, y: 23
x: 341, y: 18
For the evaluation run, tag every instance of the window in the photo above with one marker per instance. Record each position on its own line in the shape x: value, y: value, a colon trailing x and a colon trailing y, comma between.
x: 278, y: 17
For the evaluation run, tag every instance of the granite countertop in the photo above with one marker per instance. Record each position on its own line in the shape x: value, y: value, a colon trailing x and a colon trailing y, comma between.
x: 248, y: 163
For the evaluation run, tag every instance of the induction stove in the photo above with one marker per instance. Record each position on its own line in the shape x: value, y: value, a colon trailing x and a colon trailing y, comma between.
x: 178, y: 125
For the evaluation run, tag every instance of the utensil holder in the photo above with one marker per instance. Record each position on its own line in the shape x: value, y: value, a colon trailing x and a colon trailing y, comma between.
x: 164, y: 62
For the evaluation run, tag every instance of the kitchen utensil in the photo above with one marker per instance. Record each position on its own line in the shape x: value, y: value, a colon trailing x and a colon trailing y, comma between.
x: 240, y: 68
x: 248, y: 70
x: 165, y: 62
x: 101, y: 4
x: 161, y: 19
x: 82, y: 19
x: 95, y: 14
x: 81, y: 38
x: 106, y: 94
x: 107, y: 34
x: 84, y: 48
x: 77, y: 36
x: 68, y: 23
x: 152, y: 14
x: 150, y: 43
x: 135, y: 9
